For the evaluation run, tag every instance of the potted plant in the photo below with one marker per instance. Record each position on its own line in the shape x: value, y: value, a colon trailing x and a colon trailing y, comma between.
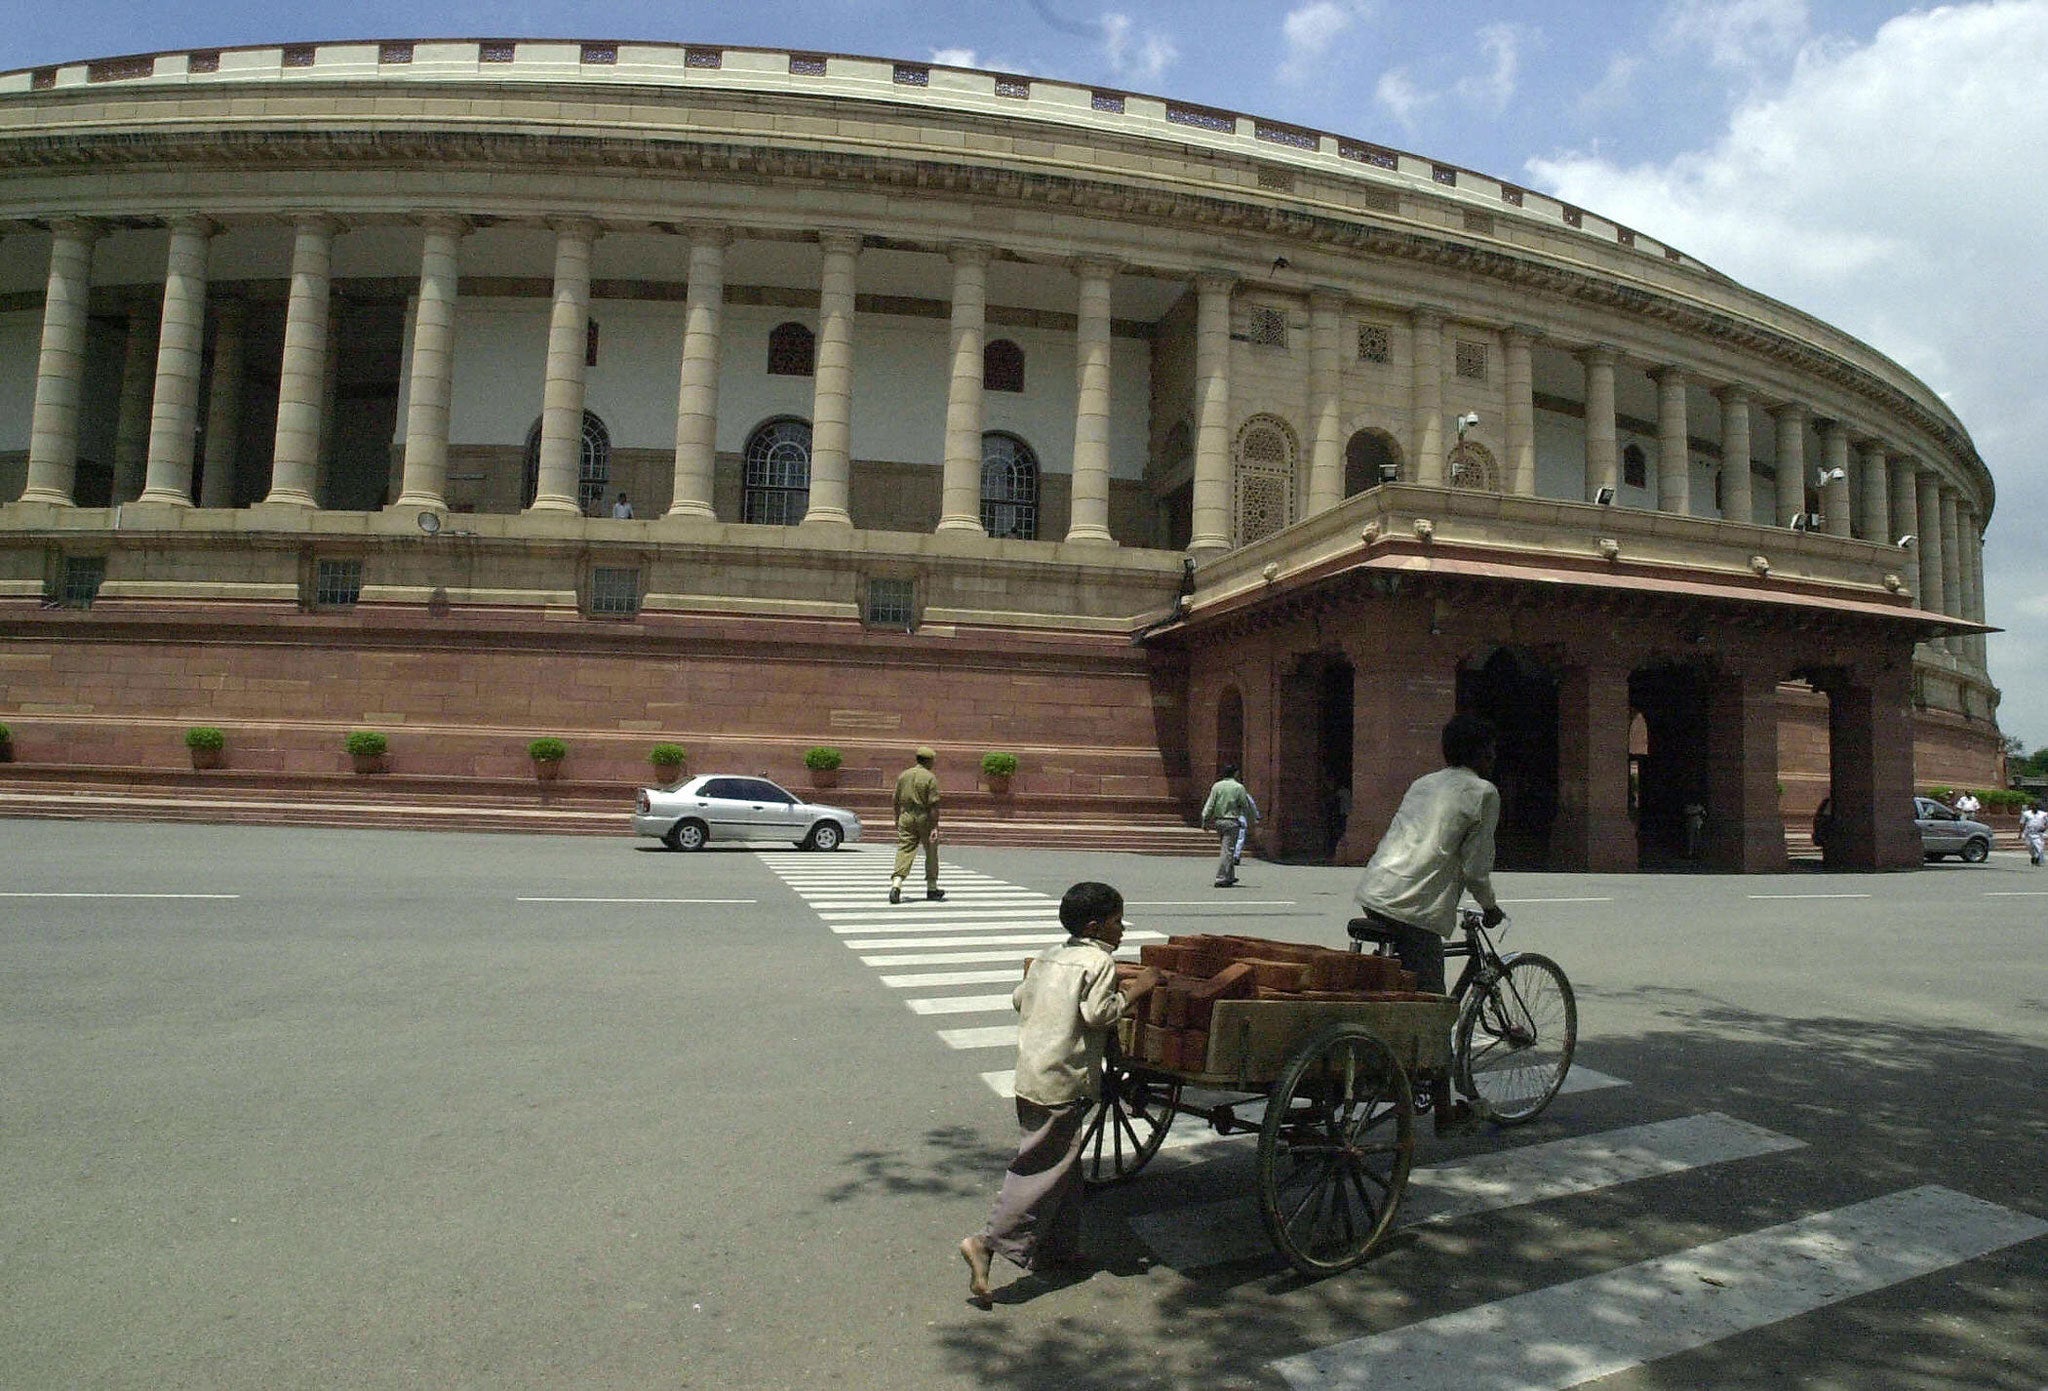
x: 999, y: 768
x: 6, y: 745
x: 668, y: 761
x: 824, y: 765
x: 547, y: 755
x: 207, y: 745
x: 367, y: 748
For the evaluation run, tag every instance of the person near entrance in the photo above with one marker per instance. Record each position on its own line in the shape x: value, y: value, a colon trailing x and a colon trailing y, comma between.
x: 2034, y: 830
x: 1228, y: 811
x: 1967, y: 803
x: 1438, y: 848
x: 917, y: 824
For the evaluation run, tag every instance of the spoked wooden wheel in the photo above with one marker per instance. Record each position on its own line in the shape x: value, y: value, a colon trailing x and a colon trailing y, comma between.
x: 1335, y: 1149
x: 1127, y: 1129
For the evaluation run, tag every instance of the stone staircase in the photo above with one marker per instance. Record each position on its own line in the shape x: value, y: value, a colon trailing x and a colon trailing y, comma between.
x: 398, y: 801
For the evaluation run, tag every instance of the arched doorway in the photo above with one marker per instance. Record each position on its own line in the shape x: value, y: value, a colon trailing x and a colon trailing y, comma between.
x: 593, y: 471
x: 1513, y: 690
x: 1367, y: 456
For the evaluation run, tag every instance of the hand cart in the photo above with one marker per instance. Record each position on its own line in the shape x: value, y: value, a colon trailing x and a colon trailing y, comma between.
x: 1329, y: 1087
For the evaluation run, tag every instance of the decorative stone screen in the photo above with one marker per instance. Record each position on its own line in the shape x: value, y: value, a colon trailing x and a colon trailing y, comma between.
x: 1375, y: 344
x: 79, y: 583
x: 1266, y: 453
x: 1471, y: 359
x: 1266, y: 326
x: 1471, y: 466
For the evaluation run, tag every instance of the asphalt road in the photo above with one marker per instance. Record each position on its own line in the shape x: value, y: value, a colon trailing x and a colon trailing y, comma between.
x: 376, y: 1109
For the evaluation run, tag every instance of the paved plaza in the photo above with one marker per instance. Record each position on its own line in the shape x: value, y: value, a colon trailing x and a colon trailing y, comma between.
x: 307, y: 1108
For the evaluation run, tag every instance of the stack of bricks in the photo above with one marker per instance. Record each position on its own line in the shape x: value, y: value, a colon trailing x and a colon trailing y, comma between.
x: 1199, y: 970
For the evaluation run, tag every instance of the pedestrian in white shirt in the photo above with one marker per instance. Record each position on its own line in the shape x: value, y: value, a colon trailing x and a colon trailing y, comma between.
x: 1439, y: 848
x: 1968, y: 804
x: 622, y: 509
x: 2034, y: 830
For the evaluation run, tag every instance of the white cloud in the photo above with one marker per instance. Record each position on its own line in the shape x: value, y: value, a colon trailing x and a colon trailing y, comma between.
x: 1135, y: 56
x: 1616, y: 86
x: 1309, y: 30
x: 1897, y: 189
x: 1402, y: 97
x: 1736, y: 35
x: 955, y: 58
x: 1493, y: 89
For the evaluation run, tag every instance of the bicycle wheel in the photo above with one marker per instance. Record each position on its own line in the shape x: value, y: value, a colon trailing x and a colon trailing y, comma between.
x: 1334, y: 1151
x: 1130, y: 1123
x: 1514, y: 1039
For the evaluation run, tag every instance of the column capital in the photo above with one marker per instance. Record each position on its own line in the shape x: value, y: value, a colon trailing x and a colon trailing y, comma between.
x: 588, y: 228
x: 970, y: 253
x: 1733, y: 394
x: 450, y: 224
x: 1428, y: 315
x: 842, y: 240
x: 706, y: 233
x: 87, y: 229
x: 1833, y: 428
x: 1096, y: 265
x: 1212, y: 281
x: 197, y: 223
x: 1670, y: 374
x: 1600, y: 355
x: 1521, y: 334
x: 314, y: 220
x: 1789, y: 411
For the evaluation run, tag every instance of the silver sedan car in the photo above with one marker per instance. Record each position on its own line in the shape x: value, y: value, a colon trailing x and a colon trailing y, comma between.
x: 727, y: 807
x: 1945, y: 831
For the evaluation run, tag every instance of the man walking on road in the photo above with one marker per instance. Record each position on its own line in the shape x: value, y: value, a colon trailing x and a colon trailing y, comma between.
x: 1227, y: 812
x: 917, y: 823
x: 2034, y: 830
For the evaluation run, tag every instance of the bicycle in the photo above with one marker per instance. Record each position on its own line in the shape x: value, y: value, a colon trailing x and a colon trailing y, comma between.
x: 1518, y: 1020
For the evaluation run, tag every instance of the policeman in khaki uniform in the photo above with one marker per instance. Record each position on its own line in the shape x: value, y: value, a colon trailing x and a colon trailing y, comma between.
x: 917, y: 823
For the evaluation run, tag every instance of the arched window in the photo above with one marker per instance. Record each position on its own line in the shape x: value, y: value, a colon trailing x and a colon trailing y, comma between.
x: 1002, y: 366
x: 1009, y: 487
x: 1471, y: 466
x: 1635, y: 467
x: 1366, y: 455
x: 792, y: 351
x: 1266, y: 453
x: 777, y: 485
x: 593, y: 471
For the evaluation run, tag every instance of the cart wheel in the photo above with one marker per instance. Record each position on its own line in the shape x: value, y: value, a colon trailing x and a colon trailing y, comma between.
x: 1514, y: 1039
x: 1334, y: 1150
x: 1130, y: 1124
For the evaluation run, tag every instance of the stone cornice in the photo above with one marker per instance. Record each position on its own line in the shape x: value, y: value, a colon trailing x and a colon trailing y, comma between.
x: 248, y: 147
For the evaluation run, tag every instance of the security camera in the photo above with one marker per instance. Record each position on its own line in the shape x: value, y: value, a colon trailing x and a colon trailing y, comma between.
x: 1831, y: 475
x: 1468, y: 420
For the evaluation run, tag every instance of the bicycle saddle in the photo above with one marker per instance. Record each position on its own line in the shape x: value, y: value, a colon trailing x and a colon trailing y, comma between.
x: 1370, y: 930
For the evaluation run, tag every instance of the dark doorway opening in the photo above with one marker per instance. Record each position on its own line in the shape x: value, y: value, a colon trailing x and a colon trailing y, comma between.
x: 1670, y: 774
x: 1313, y: 797
x: 1514, y: 691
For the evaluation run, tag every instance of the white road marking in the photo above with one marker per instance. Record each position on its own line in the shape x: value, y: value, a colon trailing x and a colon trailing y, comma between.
x: 961, y: 1004
x: 928, y: 979
x: 1000, y: 1036
x: 951, y: 925
x: 1570, y: 1334
x: 1021, y: 939
x: 1188, y: 1238
x: 1785, y: 896
x: 950, y: 958
x: 1506, y: 901
x: 2017, y: 893
x: 1213, y: 903
x: 29, y: 894
x: 709, y: 901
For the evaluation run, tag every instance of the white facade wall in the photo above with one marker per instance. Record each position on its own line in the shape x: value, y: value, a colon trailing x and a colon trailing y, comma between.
x: 21, y: 342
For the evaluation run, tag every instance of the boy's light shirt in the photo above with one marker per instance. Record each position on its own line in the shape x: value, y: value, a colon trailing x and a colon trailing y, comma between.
x: 1066, y: 1008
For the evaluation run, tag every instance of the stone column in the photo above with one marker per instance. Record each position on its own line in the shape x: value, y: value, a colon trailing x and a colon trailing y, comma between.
x: 1089, y: 521
x: 1905, y: 514
x: 1518, y: 344
x: 1970, y: 569
x: 832, y: 389
x: 1835, y: 495
x: 1210, y: 531
x: 131, y: 425
x: 224, y: 406
x: 433, y: 366
x: 960, y: 492
x: 1951, y: 567
x: 1977, y: 640
x: 174, y: 403
x: 1877, y: 495
x: 1738, y: 503
x: 1791, y: 422
x: 697, y: 387
x: 1745, y: 829
x: 1931, y: 567
x: 302, y: 372
x: 1592, y: 832
x: 1603, y: 458
x: 1426, y: 396
x: 330, y: 390
x: 60, y: 369
x: 1325, y: 400
x: 1674, y: 446
x: 561, y: 411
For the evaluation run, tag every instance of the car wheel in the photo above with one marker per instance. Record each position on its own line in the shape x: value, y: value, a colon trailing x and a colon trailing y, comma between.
x: 1977, y: 851
x: 685, y: 835
x: 824, y: 836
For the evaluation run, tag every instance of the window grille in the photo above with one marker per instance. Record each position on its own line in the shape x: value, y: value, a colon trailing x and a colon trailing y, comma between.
x: 337, y: 584
x: 1511, y: 195
x: 792, y: 351
x: 1375, y: 344
x: 119, y: 69
x: 394, y: 53
x: 891, y: 602
x: 1378, y: 156
x: 1107, y: 101
x: 1471, y: 466
x: 1009, y: 487
x: 1624, y: 236
x: 1002, y: 366
x: 1285, y: 135
x: 1471, y: 360
x: 605, y: 54
x: 1574, y: 218
x: 1444, y: 174
x: 614, y: 591
x: 81, y: 580
x: 499, y: 52
x: 777, y: 484
x: 1267, y: 326
x: 806, y: 65
x: 1018, y: 87
x: 43, y: 79
x: 911, y: 75
x: 594, y: 467
x: 1276, y: 180
x: 208, y: 61
x: 1201, y: 117
x: 703, y: 57
x: 590, y: 343
x: 299, y: 56
x: 1635, y: 468
x: 1266, y: 454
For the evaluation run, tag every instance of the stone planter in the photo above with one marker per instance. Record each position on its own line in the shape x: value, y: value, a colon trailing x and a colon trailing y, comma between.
x: 667, y: 774
x: 824, y: 777
x: 998, y: 783
x: 6, y: 751
x: 547, y: 769
x: 202, y: 759
x: 369, y: 762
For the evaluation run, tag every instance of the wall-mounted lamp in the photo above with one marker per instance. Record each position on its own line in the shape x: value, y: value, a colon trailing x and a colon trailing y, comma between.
x: 1908, y: 541
x: 429, y: 522
x: 1390, y: 473
x: 1604, y: 497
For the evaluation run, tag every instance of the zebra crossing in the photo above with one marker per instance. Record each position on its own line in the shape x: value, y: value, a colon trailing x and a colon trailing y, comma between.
x: 942, y: 958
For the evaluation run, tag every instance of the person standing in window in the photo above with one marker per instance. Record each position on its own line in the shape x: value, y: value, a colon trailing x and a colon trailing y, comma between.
x: 622, y: 509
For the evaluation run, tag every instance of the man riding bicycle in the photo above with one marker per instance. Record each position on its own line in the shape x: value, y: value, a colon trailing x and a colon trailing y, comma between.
x: 1439, y: 848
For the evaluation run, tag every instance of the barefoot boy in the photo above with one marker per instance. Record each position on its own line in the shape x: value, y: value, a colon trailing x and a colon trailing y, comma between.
x: 1067, y: 1005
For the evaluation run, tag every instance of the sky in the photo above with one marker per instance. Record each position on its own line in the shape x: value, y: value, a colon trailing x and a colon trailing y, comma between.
x: 1883, y: 166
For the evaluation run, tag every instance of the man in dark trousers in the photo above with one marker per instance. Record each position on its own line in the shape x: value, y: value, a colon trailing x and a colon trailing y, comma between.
x: 917, y: 823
